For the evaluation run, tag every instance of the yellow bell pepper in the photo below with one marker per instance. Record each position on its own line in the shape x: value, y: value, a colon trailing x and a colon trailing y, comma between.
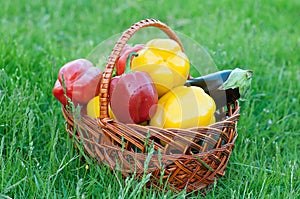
x: 184, y: 107
x: 93, y: 108
x: 164, y: 61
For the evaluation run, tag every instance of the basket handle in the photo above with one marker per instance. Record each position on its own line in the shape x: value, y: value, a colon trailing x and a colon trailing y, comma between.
x: 116, y: 51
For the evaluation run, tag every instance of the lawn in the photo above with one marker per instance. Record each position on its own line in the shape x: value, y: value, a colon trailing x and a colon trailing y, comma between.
x: 37, y: 158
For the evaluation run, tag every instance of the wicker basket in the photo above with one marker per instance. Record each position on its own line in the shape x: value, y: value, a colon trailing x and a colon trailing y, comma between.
x: 192, y: 159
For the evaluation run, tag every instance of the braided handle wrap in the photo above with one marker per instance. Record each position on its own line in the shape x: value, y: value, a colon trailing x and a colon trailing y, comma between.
x: 107, y: 74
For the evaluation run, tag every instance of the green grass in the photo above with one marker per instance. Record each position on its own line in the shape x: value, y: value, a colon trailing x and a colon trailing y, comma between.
x: 37, y: 158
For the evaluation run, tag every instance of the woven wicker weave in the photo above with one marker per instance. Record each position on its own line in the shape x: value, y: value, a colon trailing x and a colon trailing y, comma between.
x: 191, y: 159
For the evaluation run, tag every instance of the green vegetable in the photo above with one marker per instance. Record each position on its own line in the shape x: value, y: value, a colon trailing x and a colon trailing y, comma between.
x: 224, y: 86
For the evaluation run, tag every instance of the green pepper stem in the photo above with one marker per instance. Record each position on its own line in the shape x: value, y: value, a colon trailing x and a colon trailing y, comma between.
x: 128, y: 60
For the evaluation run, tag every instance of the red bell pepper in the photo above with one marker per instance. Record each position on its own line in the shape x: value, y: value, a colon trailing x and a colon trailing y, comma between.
x: 121, y: 62
x: 80, y: 79
x: 133, y: 97
x: 112, y: 84
x: 58, y: 92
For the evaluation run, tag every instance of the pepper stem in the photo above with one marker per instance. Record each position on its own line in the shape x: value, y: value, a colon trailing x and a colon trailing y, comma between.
x: 128, y: 60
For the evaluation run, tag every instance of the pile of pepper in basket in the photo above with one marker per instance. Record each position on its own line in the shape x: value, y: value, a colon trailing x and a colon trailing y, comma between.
x: 152, y: 86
